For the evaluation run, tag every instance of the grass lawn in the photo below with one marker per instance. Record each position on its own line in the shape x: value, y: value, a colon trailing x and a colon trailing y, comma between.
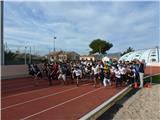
x: 155, y: 79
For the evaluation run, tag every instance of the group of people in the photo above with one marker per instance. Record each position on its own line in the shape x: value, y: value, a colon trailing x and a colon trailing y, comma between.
x: 104, y: 73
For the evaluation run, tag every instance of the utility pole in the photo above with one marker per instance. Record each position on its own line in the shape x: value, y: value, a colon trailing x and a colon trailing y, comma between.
x: 49, y: 56
x: 157, y: 47
x: 25, y: 57
x: 1, y: 24
x: 54, y: 43
x: 30, y: 55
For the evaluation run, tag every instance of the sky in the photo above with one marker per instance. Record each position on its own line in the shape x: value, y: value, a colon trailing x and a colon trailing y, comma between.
x: 76, y: 24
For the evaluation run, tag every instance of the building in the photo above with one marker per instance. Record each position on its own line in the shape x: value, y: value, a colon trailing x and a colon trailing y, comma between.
x: 64, y: 56
x: 90, y: 57
x: 151, y: 56
x: 116, y: 55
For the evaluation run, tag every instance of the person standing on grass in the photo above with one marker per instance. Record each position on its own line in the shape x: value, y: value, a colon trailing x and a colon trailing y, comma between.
x: 141, y: 72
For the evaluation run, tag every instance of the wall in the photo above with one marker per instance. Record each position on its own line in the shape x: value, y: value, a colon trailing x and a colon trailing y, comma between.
x: 14, y: 71
x: 17, y: 71
x: 152, y: 70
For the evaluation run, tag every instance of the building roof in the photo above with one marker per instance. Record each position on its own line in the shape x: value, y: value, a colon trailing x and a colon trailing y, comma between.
x: 63, y: 52
x: 150, y: 56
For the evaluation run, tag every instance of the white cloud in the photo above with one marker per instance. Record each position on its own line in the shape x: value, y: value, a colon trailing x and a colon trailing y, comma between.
x: 76, y: 24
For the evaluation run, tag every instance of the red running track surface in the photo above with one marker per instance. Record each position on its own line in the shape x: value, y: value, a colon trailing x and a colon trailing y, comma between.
x: 22, y: 100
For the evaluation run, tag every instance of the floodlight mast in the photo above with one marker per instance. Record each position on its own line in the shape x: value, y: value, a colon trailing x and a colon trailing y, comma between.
x: 25, y: 57
x: 54, y: 43
x: 2, y: 44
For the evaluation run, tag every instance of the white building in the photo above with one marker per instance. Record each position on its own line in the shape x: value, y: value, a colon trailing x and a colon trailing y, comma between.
x: 151, y: 56
x: 90, y: 57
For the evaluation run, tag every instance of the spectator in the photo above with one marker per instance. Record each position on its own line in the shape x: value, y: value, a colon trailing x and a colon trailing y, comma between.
x: 141, y: 72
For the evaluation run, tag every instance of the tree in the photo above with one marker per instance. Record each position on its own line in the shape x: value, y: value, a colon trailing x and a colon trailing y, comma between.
x: 9, y: 55
x: 100, y: 46
x: 128, y: 51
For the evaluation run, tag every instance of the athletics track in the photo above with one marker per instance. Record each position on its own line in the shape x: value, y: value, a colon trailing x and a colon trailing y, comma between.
x: 22, y: 100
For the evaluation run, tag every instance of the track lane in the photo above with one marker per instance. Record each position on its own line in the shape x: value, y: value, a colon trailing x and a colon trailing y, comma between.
x: 11, y: 91
x: 36, y: 106
x: 84, y: 103
x: 22, y: 99
x: 61, y: 109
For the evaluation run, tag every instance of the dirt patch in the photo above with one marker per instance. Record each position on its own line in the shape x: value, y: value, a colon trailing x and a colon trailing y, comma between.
x: 144, y: 105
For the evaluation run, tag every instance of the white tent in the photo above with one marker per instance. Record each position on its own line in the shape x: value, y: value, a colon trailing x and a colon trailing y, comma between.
x: 105, y: 59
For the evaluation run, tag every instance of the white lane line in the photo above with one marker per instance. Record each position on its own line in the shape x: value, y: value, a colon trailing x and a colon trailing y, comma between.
x: 15, y: 85
x: 19, y: 85
x: 25, y: 93
x: 43, y: 89
x: 96, y: 110
x: 14, y: 89
x: 60, y: 104
x: 14, y: 105
x: 104, y: 104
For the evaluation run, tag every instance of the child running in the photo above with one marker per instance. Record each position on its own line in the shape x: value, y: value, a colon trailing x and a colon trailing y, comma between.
x: 62, y: 74
x: 78, y: 74
x: 95, y: 69
x: 118, y: 77
x: 37, y: 74
x: 107, y: 76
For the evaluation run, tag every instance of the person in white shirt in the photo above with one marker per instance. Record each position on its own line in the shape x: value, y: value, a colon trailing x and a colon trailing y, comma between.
x: 123, y: 71
x: 95, y: 70
x: 107, y: 77
x: 78, y: 74
x: 112, y: 69
x: 118, y: 77
x: 142, y: 66
x: 62, y: 73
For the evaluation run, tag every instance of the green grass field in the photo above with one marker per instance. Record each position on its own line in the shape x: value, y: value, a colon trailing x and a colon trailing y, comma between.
x: 155, y: 79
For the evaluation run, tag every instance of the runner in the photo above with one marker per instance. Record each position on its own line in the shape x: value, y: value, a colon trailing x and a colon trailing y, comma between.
x: 78, y: 74
x: 95, y: 70
x: 118, y: 77
x: 62, y: 73
x: 37, y: 74
x: 107, y: 77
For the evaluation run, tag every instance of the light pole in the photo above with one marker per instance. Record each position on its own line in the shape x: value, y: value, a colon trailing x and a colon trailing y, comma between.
x: 49, y: 56
x: 25, y: 57
x: 157, y: 47
x: 54, y: 43
x: 30, y: 54
x: 2, y: 32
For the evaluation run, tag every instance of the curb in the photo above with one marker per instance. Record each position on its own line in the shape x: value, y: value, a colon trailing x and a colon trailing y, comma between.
x: 95, y: 113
